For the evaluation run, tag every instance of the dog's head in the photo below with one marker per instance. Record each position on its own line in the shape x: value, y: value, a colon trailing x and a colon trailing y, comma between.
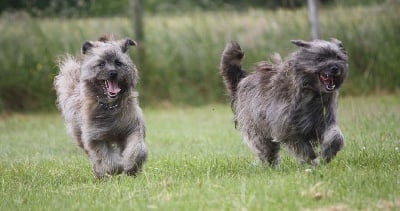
x: 108, y: 67
x: 321, y: 64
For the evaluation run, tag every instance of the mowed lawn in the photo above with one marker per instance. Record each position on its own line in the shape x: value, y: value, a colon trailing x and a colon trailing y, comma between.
x: 197, y: 161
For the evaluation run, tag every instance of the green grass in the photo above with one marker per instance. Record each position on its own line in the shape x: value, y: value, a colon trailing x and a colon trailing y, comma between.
x: 198, y: 162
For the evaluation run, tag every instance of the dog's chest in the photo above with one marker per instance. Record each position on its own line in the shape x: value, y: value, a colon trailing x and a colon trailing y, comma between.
x: 112, y: 123
x: 308, y: 118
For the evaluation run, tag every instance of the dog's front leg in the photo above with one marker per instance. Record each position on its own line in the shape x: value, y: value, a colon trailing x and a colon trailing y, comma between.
x: 104, y: 159
x: 332, y: 142
x: 134, y: 154
x: 102, y: 155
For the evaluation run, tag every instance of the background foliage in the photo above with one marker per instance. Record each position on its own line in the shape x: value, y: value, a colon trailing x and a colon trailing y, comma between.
x: 183, y: 47
x: 85, y: 8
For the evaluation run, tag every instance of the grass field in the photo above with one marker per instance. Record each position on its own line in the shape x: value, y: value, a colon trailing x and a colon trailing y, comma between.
x: 198, y: 162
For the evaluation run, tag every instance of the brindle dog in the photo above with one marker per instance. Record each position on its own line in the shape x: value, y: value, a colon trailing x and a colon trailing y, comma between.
x: 97, y: 98
x: 293, y: 102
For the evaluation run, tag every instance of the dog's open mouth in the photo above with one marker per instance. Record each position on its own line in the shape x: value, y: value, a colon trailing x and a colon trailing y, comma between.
x: 112, y: 88
x: 328, y: 81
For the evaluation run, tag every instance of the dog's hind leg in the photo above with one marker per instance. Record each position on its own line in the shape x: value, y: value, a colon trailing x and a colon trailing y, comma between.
x: 266, y: 149
x: 304, y: 151
x: 269, y: 152
x: 135, y: 154
x: 332, y: 142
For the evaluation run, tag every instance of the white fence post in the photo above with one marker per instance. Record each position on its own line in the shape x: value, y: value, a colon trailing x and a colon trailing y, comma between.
x: 313, y: 16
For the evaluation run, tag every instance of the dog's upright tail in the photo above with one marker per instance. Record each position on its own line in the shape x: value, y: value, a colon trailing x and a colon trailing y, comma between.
x: 231, y: 67
x: 67, y: 88
x: 67, y: 80
x: 66, y: 84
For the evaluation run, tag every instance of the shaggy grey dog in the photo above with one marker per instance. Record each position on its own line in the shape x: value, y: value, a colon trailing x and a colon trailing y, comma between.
x: 292, y: 102
x: 97, y: 98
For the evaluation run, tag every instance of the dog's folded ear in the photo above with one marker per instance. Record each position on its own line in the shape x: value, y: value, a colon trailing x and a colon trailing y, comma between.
x: 126, y: 44
x: 339, y: 44
x: 301, y: 43
x: 86, y: 47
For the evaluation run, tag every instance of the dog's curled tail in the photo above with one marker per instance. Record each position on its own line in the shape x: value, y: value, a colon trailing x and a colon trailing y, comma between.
x: 231, y: 67
x: 66, y: 85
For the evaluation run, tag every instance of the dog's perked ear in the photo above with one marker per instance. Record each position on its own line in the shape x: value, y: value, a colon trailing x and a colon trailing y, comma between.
x: 86, y: 47
x: 126, y: 44
x: 339, y: 44
x: 301, y: 43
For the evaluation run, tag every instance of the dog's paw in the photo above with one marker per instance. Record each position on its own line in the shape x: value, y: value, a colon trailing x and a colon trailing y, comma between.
x: 315, y: 162
x: 333, y: 142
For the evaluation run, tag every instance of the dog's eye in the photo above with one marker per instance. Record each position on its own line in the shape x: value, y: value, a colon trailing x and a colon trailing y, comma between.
x: 102, y: 64
x: 118, y: 63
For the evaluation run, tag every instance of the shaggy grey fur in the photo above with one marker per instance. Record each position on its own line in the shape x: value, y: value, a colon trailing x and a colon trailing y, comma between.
x: 292, y: 102
x: 97, y: 98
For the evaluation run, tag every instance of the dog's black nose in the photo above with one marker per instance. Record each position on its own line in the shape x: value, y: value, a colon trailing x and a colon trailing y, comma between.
x: 334, y: 69
x: 113, y: 74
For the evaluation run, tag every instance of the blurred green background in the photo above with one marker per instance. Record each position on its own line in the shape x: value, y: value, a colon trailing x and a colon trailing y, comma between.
x: 184, y: 40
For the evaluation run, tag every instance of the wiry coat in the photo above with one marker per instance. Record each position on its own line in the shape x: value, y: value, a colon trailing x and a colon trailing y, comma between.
x: 97, y: 98
x: 292, y: 102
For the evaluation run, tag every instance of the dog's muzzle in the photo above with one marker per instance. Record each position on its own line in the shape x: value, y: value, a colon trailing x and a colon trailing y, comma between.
x: 330, y: 78
x: 112, y: 87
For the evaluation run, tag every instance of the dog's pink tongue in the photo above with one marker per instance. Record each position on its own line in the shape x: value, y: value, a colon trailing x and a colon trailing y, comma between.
x: 327, y: 80
x: 331, y: 82
x: 113, y: 87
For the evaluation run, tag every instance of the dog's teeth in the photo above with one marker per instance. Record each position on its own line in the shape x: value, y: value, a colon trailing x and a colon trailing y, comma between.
x: 329, y: 87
